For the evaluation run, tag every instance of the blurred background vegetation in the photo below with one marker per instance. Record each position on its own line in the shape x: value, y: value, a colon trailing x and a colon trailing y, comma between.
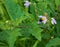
x: 18, y: 24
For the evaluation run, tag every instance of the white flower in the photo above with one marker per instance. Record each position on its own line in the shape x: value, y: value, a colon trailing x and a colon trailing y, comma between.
x: 53, y: 21
x: 43, y: 19
x: 27, y: 3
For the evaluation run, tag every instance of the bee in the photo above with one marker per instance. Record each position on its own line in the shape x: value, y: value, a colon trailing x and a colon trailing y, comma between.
x: 42, y: 19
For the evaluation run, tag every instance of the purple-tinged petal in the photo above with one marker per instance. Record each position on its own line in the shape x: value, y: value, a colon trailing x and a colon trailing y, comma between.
x: 27, y: 3
x: 53, y: 21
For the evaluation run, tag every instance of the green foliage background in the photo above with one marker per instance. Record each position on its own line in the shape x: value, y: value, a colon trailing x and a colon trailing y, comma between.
x: 19, y: 28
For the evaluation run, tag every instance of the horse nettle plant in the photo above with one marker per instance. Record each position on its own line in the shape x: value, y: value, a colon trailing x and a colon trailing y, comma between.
x: 29, y: 23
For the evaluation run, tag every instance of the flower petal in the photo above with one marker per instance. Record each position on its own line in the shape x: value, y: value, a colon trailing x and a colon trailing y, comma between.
x: 53, y: 21
x: 27, y: 3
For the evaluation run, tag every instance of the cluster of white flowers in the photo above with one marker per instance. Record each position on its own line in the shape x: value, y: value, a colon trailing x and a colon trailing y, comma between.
x: 44, y: 20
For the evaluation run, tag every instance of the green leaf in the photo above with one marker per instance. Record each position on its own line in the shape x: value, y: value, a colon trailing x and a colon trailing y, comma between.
x: 53, y: 42
x: 57, y: 2
x: 14, y: 10
x: 36, y: 31
x: 35, y: 44
x: 32, y: 28
x: 10, y: 36
x: 58, y: 27
x: 1, y: 13
x: 32, y: 10
x: 3, y: 44
x: 45, y: 35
